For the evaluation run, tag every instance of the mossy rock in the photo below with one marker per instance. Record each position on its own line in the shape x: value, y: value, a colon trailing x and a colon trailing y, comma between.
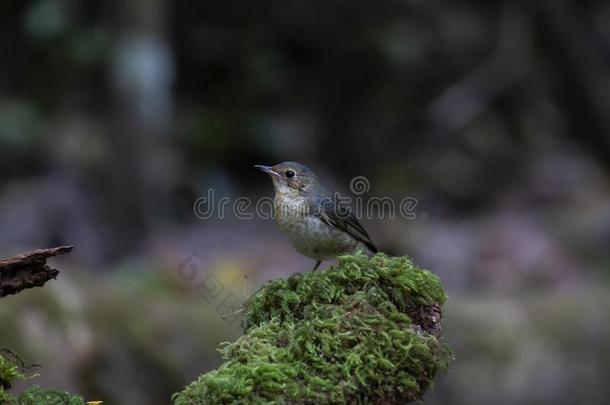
x: 364, y: 331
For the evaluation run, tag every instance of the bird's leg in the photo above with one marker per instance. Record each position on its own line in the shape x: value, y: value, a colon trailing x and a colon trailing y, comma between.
x: 317, y: 265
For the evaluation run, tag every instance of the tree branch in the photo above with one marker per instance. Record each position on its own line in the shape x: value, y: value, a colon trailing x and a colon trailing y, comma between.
x: 28, y: 270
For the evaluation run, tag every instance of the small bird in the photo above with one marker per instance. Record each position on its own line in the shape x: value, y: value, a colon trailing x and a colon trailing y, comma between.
x: 313, y: 219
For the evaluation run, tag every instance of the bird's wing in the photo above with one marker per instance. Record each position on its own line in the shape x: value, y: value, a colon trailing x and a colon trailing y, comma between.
x: 334, y: 213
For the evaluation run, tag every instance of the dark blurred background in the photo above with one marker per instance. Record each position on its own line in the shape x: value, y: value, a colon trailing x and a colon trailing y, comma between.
x: 115, y: 116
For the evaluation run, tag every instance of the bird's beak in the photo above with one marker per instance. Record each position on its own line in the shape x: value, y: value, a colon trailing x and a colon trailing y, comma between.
x: 267, y: 169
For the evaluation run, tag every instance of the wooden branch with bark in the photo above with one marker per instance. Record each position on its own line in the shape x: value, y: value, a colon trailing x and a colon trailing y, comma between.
x: 28, y: 270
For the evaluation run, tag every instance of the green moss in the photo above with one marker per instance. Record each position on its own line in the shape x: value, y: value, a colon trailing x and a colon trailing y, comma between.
x: 363, y: 331
x: 10, y: 371
x: 37, y: 396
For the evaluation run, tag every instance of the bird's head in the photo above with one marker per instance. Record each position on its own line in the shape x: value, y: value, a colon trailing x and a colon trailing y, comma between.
x: 290, y: 177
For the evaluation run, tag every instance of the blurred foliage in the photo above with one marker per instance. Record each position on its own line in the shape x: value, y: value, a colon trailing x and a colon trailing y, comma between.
x: 20, y: 125
x: 46, y: 19
x: 529, y: 349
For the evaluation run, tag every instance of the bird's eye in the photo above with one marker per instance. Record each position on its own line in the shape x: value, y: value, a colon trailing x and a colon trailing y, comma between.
x: 290, y: 174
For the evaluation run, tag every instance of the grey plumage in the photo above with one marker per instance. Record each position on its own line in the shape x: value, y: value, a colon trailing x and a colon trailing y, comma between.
x: 313, y: 219
x: 330, y: 210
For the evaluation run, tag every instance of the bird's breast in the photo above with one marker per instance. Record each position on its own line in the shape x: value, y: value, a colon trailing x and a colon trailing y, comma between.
x: 308, y: 233
x: 290, y: 209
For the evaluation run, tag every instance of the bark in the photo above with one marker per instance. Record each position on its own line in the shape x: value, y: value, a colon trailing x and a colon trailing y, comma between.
x: 28, y: 270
